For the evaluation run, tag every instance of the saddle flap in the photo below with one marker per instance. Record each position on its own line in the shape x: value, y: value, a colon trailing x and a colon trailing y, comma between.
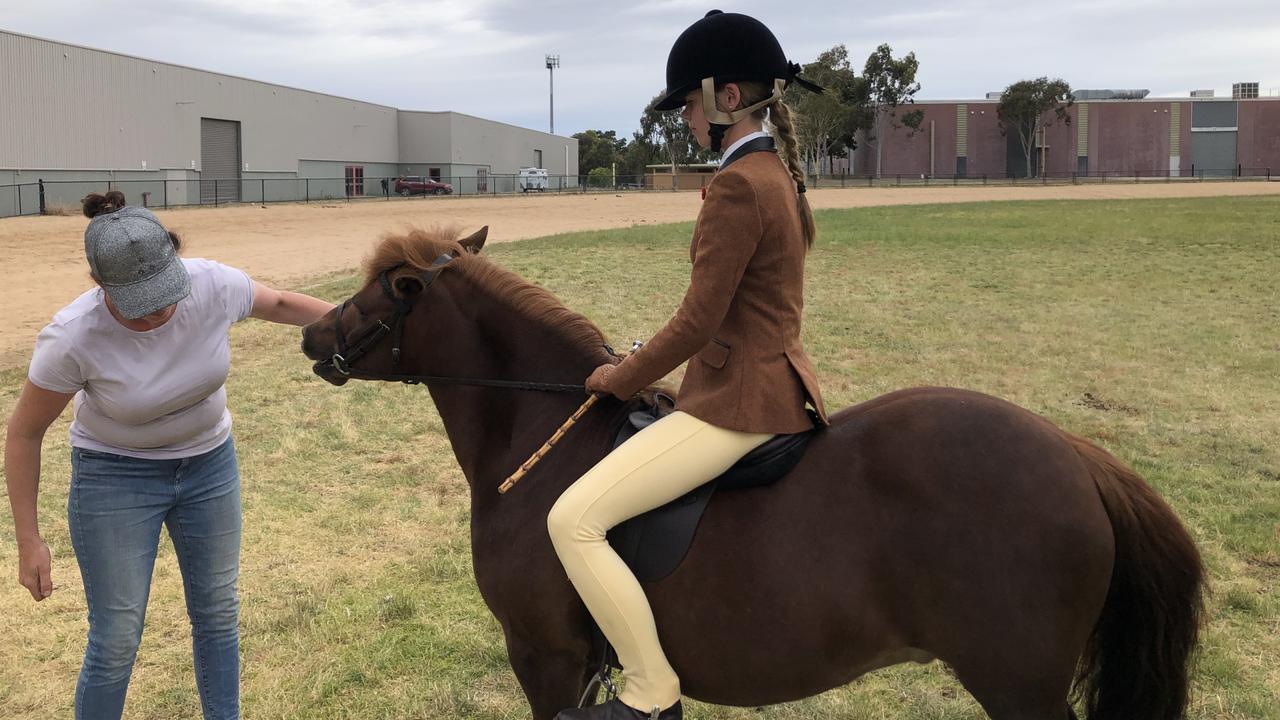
x: 654, y: 544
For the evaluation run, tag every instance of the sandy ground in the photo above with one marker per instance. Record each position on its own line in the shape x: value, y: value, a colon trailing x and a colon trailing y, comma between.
x: 42, y: 262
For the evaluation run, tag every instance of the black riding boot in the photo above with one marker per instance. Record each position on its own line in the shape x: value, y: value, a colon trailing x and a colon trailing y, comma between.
x: 617, y: 710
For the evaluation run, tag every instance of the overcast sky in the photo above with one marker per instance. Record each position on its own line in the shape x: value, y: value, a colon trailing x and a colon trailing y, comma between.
x: 486, y: 57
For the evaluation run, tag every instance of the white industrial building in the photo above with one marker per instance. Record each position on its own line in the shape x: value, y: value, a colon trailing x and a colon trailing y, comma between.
x: 79, y: 118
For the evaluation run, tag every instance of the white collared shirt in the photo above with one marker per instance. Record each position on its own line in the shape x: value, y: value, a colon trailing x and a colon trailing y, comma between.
x: 740, y: 142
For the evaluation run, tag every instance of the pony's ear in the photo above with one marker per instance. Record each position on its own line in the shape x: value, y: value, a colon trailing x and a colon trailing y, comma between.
x: 408, y: 285
x: 473, y: 243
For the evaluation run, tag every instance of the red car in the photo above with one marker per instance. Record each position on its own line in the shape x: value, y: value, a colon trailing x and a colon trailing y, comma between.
x: 418, y: 185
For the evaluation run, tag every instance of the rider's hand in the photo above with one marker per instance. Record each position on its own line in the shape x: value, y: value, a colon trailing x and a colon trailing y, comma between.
x: 599, y: 381
x: 33, y: 568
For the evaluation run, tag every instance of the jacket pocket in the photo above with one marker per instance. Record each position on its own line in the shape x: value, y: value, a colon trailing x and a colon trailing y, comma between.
x: 714, y: 353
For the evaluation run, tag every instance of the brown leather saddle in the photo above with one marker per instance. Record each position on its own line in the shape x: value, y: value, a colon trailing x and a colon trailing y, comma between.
x: 654, y: 544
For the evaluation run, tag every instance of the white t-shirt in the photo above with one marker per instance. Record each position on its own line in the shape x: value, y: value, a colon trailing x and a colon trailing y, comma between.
x: 158, y: 394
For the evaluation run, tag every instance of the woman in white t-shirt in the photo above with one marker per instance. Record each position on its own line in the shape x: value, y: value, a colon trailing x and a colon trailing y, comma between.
x: 145, y: 356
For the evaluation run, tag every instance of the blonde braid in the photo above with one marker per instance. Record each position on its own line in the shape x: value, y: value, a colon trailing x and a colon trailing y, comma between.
x: 780, y: 116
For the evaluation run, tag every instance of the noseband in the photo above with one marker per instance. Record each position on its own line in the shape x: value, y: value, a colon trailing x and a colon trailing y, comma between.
x: 370, y: 335
x: 349, y: 352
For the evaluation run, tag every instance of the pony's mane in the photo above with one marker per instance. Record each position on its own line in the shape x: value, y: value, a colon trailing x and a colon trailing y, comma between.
x: 418, y: 248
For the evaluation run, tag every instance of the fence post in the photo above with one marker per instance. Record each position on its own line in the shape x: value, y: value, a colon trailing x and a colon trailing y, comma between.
x: 40, y: 181
x: 17, y: 197
x: 215, y: 192
x: 263, y: 190
x: 308, y: 182
x: 165, y: 185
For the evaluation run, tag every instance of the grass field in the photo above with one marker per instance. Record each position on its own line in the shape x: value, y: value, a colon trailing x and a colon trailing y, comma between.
x: 1150, y: 326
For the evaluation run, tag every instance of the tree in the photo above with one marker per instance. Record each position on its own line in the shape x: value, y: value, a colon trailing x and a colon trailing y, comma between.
x: 886, y: 84
x: 1029, y: 106
x: 600, y: 177
x: 666, y: 129
x: 599, y: 149
x: 825, y: 123
x: 641, y: 152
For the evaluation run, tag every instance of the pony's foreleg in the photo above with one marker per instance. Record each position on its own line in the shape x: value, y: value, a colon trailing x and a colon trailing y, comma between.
x: 552, y: 680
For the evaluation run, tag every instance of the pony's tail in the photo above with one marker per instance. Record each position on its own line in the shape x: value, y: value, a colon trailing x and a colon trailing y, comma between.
x: 1136, y: 662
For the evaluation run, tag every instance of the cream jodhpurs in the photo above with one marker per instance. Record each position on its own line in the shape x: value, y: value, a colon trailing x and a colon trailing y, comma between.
x: 659, y: 464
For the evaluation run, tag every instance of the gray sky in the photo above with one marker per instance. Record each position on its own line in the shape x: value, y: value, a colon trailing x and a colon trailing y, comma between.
x: 485, y: 57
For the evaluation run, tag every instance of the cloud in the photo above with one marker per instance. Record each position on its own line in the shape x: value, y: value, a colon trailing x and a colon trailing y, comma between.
x: 485, y: 57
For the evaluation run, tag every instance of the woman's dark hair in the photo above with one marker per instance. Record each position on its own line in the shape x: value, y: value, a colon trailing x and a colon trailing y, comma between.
x: 94, y: 205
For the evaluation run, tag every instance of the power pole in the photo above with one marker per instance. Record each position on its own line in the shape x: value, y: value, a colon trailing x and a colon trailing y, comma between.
x: 553, y: 62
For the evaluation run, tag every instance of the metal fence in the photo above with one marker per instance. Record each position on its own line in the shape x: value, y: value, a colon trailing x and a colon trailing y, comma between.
x: 1238, y: 173
x: 62, y: 197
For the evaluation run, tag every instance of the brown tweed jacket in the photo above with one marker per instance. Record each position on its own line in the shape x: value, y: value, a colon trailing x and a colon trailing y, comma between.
x: 739, y: 323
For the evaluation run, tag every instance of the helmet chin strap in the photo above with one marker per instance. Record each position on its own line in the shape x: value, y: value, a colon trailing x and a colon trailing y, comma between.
x: 720, y: 121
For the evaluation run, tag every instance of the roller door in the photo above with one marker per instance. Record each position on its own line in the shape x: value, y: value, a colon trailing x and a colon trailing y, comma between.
x: 220, y: 161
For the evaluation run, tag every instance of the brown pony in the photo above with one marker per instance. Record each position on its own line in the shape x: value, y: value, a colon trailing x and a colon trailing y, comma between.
x: 930, y: 523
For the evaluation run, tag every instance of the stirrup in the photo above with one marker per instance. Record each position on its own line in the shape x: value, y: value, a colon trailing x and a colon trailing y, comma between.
x: 602, y: 679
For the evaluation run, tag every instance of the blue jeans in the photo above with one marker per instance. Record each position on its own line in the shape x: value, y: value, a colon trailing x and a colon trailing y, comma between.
x: 116, y: 507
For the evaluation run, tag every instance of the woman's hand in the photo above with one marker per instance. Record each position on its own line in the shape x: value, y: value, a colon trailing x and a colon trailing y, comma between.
x: 33, y: 568
x: 599, y: 381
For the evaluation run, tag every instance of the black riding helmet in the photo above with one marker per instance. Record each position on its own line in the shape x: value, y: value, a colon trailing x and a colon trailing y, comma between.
x: 728, y: 47
x: 721, y: 48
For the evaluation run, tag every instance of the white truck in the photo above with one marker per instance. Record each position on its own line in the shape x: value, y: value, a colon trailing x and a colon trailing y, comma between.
x: 532, y: 178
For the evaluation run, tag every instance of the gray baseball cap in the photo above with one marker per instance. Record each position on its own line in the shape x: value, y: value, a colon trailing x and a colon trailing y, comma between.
x: 131, y: 256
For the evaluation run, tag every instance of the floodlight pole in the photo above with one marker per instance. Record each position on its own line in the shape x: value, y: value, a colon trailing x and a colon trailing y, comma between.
x: 553, y: 62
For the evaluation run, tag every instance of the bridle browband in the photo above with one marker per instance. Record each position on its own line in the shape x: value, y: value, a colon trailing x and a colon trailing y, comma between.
x: 343, y: 360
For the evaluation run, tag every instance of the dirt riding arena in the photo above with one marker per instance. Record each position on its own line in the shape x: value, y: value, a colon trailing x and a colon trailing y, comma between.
x: 43, y: 263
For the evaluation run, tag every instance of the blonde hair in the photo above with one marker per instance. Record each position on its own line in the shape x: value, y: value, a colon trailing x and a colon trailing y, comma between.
x: 782, y: 119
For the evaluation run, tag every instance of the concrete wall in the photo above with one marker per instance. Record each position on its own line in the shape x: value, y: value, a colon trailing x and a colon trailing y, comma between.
x: 986, y: 143
x: 506, y: 148
x: 69, y: 113
x: 1120, y: 137
x: 1127, y: 137
x: 905, y: 153
x: 1259, y: 135
x: 424, y: 138
x: 73, y: 108
x: 459, y: 145
x: 1184, y: 159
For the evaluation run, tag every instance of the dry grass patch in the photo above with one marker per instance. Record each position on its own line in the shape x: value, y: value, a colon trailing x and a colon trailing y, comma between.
x: 1148, y: 325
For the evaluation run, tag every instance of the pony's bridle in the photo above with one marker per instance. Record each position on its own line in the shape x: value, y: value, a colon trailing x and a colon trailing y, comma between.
x: 369, y: 337
x: 348, y: 353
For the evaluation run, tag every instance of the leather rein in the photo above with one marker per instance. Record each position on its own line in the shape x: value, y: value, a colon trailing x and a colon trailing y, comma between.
x: 366, y: 339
